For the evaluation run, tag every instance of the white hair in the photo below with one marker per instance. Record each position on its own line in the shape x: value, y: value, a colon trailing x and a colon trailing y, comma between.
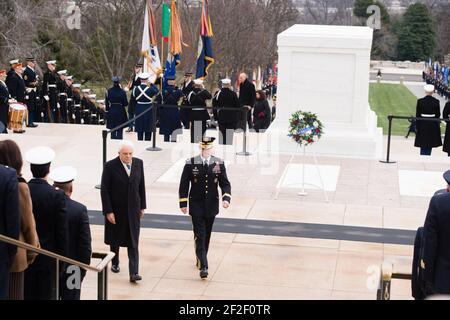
x: 126, y: 143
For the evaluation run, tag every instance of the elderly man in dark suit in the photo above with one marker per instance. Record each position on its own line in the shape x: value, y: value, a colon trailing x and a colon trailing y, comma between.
x: 79, y: 234
x: 124, y: 202
x: 9, y: 223
x: 247, y: 99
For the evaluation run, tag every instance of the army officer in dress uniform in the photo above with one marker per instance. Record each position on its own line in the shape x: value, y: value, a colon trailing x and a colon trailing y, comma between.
x: 428, y: 134
x: 435, y: 263
x: 199, y: 184
x: 49, y: 209
x: 78, y: 236
x: 198, y: 115
x: 115, y: 102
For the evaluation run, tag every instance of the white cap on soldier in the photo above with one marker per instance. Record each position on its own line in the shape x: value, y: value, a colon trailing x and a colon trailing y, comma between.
x: 226, y: 81
x: 61, y: 72
x: 63, y: 174
x: 144, y: 76
x: 100, y: 101
x: 15, y: 61
x: 86, y: 90
x: 76, y: 85
x: 429, y: 88
x: 69, y: 78
x: 40, y: 155
x: 92, y: 96
x: 198, y: 81
x: 53, y: 62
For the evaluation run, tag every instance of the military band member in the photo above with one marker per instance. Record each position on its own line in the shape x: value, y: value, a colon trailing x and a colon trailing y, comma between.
x: 49, y: 209
x: 86, y: 107
x: 16, y: 85
x: 201, y: 178
x: 70, y: 104
x: 198, y: 115
x: 435, y: 263
x: 4, y: 107
x: 31, y: 82
x: 143, y: 95
x: 428, y: 134
x: 187, y: 87
x: 78, y: 232
x: 226, y: 98
x: 62, y: 95
x: 76, y: 92
x: 169, y: 122
x: 134, y: 82
x: 116, y: 101
x: 50, y: 93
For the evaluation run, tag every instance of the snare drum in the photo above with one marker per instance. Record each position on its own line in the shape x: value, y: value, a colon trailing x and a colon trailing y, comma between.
x: 17, y: 115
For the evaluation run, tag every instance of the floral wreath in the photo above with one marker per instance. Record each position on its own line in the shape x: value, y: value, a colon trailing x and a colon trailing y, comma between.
x: 305, y: 128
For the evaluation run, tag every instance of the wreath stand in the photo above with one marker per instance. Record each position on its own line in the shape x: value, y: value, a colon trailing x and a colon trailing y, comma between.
x: 303, y: 192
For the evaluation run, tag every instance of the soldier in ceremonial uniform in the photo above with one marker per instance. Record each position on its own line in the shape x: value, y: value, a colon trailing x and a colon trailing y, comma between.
x: 198, y: 116
x: 199, y: 184
x: 76, y: 96
x: 169, y: 121
x: 62, y: 95
x: 49, y: 209
x: 143, y: 95
x: 70, y: 104
x: 4, y: 107
x: 16, y: 85
x: 31, y: 81
x: 226, y: 98
x: 134, y: 82
x: 187, y: 87
x: 50, y: 93
x: 435, y: 263
x: 86, y: 106
x: 79, y: 232
x: 115, y: 102
x: 93, y: 111
x: 428, y: 134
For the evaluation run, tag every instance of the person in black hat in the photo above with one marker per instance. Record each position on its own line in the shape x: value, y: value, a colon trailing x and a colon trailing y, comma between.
x: 198, y: 115
x: 201, y: 178
x: 50, y: 92
x: 169, y: 122
x: 116, y: 100
x: 31, y: 82
x: 187, y: 87
x: 435, y: 262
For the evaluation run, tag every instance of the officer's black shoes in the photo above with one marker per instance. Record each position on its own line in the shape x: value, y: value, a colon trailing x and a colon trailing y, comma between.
x: 204, y: 273
x: 135, y: 277
x: 115, y: 268
x: 19, y: 131
x: 32, y: 125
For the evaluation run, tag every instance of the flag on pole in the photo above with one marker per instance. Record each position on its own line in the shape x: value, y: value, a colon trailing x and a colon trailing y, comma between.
x: 165, y: 28
x: 175, y: 42
x: 205, y: 57
x: 149, y: 49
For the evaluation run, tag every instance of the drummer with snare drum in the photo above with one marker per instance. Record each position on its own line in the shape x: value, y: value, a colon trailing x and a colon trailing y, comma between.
x: 16, y: 87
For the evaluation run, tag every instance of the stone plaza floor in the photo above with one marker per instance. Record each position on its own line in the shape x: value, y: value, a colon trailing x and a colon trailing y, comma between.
x: 260, y: 264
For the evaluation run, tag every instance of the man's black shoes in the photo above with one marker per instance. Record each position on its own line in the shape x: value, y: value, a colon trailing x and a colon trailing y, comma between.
x: 204, y: 273
x: 135, y: 277
x: 115, y: 268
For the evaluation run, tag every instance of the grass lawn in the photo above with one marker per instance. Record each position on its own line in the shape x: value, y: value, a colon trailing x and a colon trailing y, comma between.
x: 392, y: 99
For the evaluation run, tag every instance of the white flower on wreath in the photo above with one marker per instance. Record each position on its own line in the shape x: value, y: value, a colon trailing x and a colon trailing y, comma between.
x: 315, y: 138
x: 316, y: 124
x: 300, y: 117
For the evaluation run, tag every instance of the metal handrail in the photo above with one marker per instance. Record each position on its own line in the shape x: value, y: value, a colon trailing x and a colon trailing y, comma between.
x: 392, y: 117
x: 386, y: 276
x: 101, y: 268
